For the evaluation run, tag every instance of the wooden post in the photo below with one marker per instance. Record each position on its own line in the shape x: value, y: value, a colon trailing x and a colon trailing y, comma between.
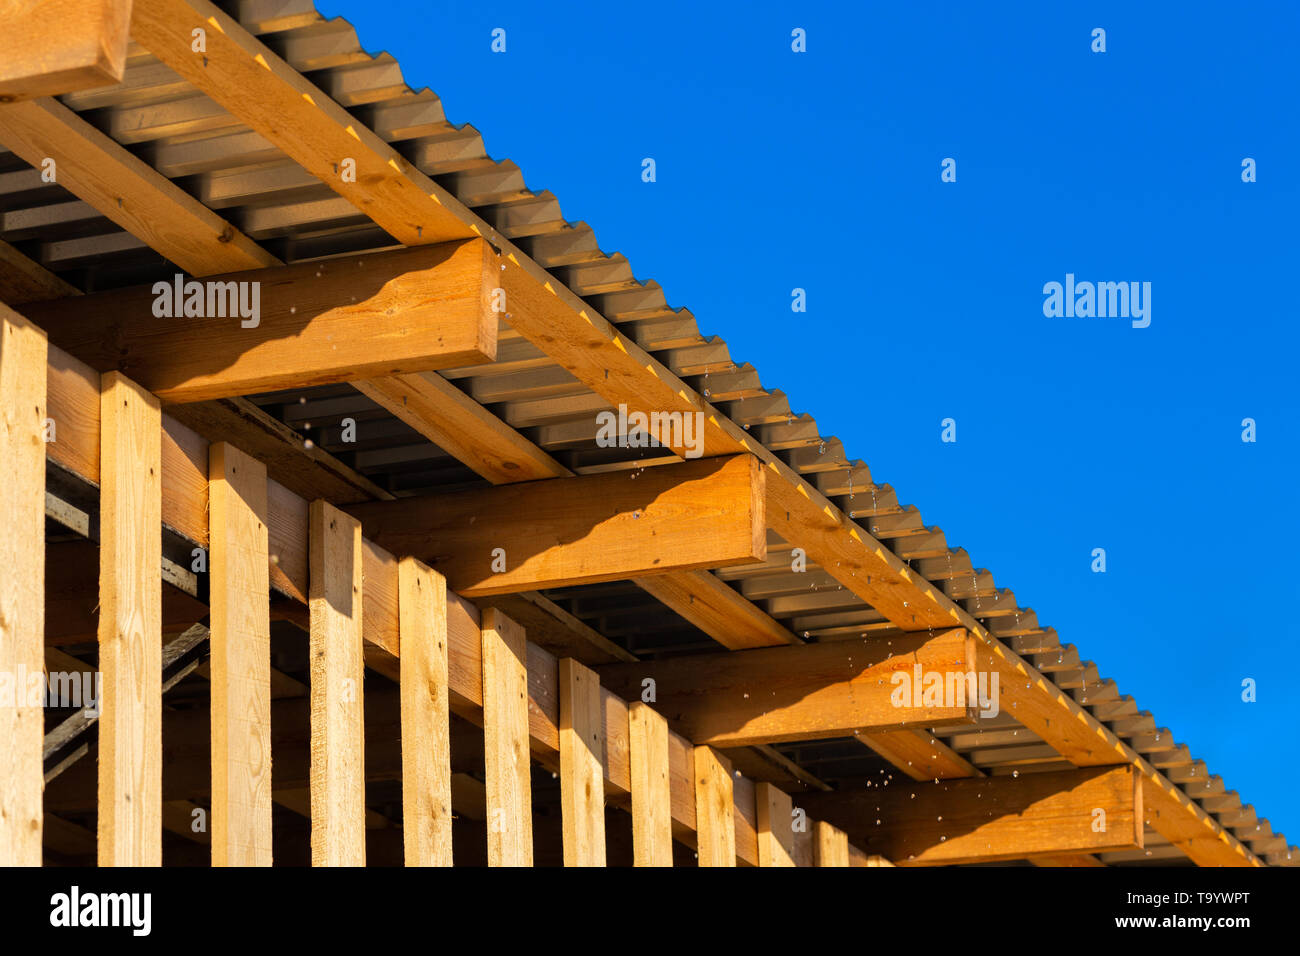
x: 23, y: 360
x: 775, y: 830
x: 652, y: 825
x: 505, y: 741
x: 715, y: 809
x: 338, y: 781
x: 426, y: 749
x: 582, y: 765
x: 130, y: 625
x: 241, y: 659
x: 830, y: 845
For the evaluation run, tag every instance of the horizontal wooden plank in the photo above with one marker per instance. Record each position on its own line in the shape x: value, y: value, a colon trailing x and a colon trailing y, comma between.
x: 810, y: 691
x: 289, y: 326
x: 565, y: 531
x: 991, y: 818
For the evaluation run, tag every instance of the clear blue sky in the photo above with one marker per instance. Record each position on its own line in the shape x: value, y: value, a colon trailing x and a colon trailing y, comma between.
x: 821, y: 170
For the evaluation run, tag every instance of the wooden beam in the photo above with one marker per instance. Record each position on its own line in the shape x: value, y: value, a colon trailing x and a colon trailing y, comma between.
x: 717, y: 609
x: 130, y: 626
x: 52, y: 47
x: 550, y: 626
x: 338, y: 781
x: 289, y: 326
x: 241, y: 660
x: 830, y: 845
x: 580, y: 530
x: 582, y: 762
x: 715, y: 809
x: 462, y: 427
x: 244, y: 76
x: 127, y: 190
x: 808, y: 692
x: 921, y: 755
x: 648, y: 759
x: 22, y: 280
x: 426, y: 747
x: 23, y: 354
x: 994, y: 818
x: 505, y: 740
x: 775, y: 826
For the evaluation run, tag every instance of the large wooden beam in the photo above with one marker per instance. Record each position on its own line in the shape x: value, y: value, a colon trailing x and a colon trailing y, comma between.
x: 130, y: 626
x: 23, y: 351
x: 568, y: 531
x: 809, y: 692
x: 992, y: 818
x: 241, y: 660
x: 315, y: 323
x: 52, y: 47
x: 127, y: 190
x: 253, y: 83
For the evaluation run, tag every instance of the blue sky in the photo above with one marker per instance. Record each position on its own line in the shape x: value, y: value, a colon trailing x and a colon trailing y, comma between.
x: 821, y: 170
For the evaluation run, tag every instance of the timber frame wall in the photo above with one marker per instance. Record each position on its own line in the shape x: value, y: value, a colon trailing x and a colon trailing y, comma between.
x: 137, y: 434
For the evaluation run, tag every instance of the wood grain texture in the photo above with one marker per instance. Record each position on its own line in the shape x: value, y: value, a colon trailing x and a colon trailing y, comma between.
x: 775, y: 829
x: 505, y: 741
x: 22, y: 280
x: 426, y: 747
x: 317, y: 323
x: 23, y: 352
x: 248, y: 79
x: 130, y: 626
x: 462, y: 427
x: 241, y: 660
x: 52, y: 47
x: 715, y: 809
x: 830, y: 845
x: 992, y: 818
x: 128, y: 190
x: 805, y: 692
x: 338, y: 781
x: 582, y: 765
x: 652, y: 816
x: 580, y: 530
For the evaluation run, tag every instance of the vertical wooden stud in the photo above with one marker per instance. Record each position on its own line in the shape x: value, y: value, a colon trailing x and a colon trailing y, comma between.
x: 130, y: 625
x: 505, y: 740
x: 426, y: 750
x: 652, y: 828
x: 582, y: 765
x: 775, y: 829
x: 338, y: 779
x: 715, y: 809
x: 241, y: 658
x: 23, y: 368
